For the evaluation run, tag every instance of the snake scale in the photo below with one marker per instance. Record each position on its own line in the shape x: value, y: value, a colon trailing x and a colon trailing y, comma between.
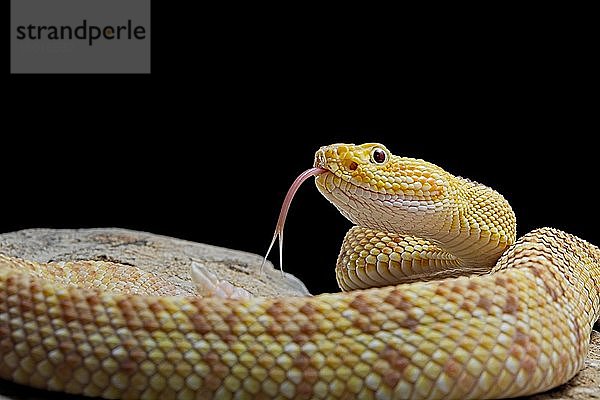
x: 517, y: 323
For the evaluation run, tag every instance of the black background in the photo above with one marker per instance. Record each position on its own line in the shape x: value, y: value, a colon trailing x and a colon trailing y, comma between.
x: 206, y: 146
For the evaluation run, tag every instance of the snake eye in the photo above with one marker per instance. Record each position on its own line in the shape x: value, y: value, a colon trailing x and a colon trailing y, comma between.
x: 378, y: 155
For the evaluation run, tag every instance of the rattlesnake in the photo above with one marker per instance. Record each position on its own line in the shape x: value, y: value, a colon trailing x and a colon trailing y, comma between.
x: 520, y: 328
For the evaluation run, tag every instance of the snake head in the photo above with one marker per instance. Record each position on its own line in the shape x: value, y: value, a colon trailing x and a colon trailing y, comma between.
x: 376, y: 189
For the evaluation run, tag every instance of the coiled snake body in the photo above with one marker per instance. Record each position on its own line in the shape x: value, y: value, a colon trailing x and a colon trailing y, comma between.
x: 521, y: 326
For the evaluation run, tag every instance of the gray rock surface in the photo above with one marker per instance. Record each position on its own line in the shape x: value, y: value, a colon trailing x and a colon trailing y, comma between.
x: 172, y: 256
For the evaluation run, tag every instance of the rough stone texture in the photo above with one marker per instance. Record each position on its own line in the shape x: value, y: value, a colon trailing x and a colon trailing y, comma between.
x: 172, y: 256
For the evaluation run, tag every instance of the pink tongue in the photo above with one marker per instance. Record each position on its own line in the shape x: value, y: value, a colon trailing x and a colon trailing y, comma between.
x: 284, y: 210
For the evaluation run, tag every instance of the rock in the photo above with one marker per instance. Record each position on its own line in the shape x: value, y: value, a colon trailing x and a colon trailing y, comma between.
x: 173, y: 257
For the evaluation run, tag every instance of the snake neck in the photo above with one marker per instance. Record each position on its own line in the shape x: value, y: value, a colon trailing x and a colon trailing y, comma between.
x: 474, y: 223
x: 476, y: 227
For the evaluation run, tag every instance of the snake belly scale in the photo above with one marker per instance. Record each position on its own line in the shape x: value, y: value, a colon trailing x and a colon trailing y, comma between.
x: 517, y: 322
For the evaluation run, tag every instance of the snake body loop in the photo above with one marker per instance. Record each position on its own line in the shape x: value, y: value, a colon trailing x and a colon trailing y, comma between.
x: 519, y: 323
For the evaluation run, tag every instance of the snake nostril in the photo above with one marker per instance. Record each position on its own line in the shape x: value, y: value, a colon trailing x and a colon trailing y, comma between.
x: 352, y: 166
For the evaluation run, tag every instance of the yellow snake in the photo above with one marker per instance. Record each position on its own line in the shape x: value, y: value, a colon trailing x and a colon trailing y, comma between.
x: 522, y: 327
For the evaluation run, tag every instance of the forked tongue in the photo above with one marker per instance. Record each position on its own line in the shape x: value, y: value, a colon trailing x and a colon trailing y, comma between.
x: 284, y: 211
